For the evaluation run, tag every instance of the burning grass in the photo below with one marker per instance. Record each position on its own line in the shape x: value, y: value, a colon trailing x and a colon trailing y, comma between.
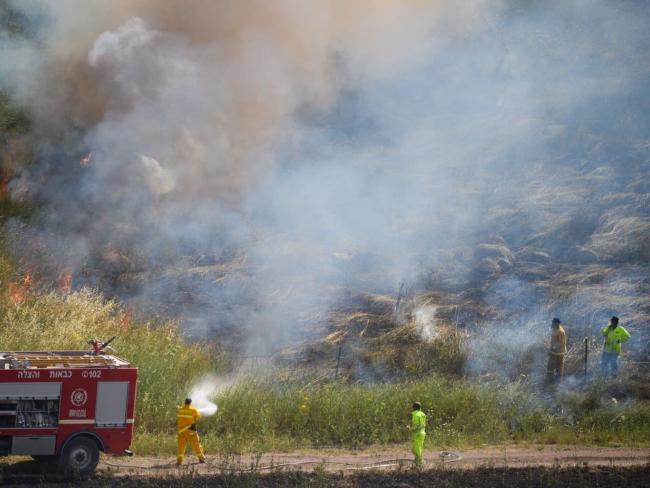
x: 406, y: 347
x: 268, y: 414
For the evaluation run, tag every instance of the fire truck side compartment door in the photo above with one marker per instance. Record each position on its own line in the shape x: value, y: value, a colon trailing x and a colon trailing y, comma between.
x: 111, y: 402
x: 10, y: 391
x: 40, y: 445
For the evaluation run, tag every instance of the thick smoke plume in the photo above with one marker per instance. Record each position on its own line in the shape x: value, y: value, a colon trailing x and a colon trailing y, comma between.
x: 247, y: 162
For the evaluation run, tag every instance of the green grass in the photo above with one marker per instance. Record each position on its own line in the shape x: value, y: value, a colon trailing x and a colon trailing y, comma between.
x: 12, y: 121
x: 255, y: 416
x: 167, y: 365
x: 263, y: 415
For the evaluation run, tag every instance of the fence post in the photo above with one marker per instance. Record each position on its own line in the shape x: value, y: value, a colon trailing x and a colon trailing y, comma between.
x: 586, y: 354
x: 399, y: 297
x: 338, y: 362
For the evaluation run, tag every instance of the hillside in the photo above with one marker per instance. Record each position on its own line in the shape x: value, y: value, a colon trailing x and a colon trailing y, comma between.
x: 312, y: 202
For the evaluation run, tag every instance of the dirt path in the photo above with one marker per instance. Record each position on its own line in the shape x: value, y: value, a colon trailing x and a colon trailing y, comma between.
x: 506, y: 456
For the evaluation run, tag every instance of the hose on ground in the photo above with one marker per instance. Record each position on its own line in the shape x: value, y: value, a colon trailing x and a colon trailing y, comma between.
x: 445, y: 457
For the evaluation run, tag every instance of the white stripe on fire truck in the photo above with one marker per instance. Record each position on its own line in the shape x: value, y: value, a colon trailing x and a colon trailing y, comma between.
x: 87, y: 421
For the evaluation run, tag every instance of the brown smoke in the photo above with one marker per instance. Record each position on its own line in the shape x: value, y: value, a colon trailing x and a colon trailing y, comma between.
x: 257, y: 63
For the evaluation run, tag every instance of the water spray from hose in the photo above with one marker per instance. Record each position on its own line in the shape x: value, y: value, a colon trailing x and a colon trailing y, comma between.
x: 201, y: 393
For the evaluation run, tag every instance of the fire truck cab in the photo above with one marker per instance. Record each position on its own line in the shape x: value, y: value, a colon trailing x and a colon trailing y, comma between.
x: 66, y: 405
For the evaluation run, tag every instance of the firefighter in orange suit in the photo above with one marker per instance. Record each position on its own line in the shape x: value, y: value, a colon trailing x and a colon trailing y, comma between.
x: 556, y: 353
x: 186, y: 418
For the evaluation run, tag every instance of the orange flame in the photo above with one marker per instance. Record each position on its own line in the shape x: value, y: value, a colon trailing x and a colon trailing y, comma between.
x: 20, y: 291
x: 28, y: 279
x: 17, y: 293
x: 124, y: 318
x: 64, y: 283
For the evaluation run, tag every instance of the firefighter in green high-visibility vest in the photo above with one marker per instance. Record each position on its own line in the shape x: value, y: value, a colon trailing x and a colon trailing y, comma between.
x: 615, y: 335
x: 418, y: 432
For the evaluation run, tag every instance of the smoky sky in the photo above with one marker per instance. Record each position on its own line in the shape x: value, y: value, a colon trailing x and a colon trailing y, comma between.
x: 295, y: 149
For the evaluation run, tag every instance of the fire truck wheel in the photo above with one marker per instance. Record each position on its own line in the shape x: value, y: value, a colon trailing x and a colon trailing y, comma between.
x: 79, y: 457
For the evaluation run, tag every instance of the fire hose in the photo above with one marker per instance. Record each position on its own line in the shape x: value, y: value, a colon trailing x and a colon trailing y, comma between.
x: 445, y: 457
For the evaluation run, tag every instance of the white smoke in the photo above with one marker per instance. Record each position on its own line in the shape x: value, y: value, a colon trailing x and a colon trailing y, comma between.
x: 275, y: 136
x: 425, y: 322
x: 159, y: 180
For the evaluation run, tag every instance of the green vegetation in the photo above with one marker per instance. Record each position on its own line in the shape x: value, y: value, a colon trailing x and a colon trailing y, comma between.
x: 14, y: 152
x: 11, y: 121
x: 265, y: 414
x: 167, y: 365
x: 269, y: 416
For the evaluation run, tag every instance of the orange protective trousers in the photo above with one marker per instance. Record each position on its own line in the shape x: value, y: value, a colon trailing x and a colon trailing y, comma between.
x: 555, y: 368
x: 190, y: 437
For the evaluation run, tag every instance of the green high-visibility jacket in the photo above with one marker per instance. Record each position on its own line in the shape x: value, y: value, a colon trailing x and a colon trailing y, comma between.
x: 614, y: 337
x: 418, y: 423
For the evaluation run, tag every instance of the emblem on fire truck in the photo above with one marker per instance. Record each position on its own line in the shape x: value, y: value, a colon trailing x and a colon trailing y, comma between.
x: 79, y: 397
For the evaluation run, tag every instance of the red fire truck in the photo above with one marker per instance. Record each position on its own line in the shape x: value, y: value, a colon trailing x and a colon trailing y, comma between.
x: 66, y: 405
